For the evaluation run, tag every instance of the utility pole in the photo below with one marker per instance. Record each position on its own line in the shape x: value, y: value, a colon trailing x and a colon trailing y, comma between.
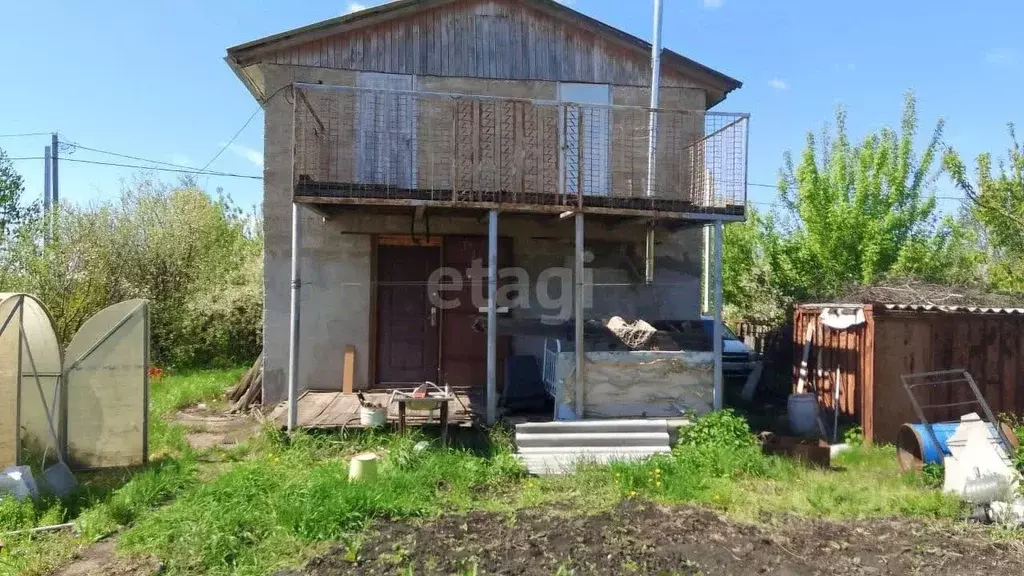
x: 55, y: 152
x: 46, y: 180
x: 46, y: 192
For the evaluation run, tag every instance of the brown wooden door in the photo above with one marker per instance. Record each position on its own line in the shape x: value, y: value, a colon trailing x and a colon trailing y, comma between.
x: 407, y: 329
x: 463, y: 350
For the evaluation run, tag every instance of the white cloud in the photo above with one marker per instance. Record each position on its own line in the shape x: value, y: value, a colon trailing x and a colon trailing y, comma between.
x: 181, y: 159
x: 1000, y: 56
x: 713, y: 4
x: 779, y: 84
x: 251, y: 154
x: 354, y: 7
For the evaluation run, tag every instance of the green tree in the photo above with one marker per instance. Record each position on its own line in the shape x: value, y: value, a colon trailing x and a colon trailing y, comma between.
x: 997, y: 202
x: 855, y: 208
x: 749, y: 288
x: 197, y: 259
x: 851, y: 214
x: 13, y: 212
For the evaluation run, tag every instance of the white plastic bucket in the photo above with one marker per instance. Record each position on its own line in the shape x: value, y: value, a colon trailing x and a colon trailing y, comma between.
x: 803, y: 414
x: 373, y: 417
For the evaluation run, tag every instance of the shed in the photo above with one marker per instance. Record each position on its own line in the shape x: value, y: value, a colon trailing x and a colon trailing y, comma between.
x: 907, y: 330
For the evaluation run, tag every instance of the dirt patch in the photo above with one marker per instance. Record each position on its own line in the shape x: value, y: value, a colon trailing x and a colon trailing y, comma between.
x: 206, y: 428
x: 100, y: 558
x: 646, y: 539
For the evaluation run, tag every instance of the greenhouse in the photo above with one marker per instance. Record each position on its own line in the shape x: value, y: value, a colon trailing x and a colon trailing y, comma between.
x: 86, y: 405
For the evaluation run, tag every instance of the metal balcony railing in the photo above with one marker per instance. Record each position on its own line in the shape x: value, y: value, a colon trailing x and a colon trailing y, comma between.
x: 388, y: 146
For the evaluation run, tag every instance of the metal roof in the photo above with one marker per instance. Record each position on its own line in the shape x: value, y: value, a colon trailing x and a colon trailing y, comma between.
x: 939, y: 308
x: 921, y: 307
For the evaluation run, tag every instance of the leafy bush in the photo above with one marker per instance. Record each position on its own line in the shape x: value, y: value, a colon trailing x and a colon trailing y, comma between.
x: 722, y: 428
x: 197, y: 259
x: 933, y: 474
x: 854, y: 436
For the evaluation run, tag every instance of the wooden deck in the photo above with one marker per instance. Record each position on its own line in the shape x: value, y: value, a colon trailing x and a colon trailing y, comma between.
x: 324, y: 410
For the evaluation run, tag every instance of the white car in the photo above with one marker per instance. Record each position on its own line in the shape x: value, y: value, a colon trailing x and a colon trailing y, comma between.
x: 737, y: 358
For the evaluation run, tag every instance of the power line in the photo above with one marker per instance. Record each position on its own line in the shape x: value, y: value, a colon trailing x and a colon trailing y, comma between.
x: 25, y: 134
x: 141, y: 167
x: 77, y: 146
x: 228, y: 144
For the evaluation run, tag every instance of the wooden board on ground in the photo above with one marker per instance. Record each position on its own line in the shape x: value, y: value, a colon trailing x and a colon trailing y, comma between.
x: 319, y: 410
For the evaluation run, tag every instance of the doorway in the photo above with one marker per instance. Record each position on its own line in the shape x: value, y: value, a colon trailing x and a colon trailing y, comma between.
x: 408, y: 324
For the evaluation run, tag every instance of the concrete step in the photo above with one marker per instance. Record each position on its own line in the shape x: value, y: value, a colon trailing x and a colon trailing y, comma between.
x: 593, y: 426
x: 532, y: 451
x: 593, y: 439
x: 566, y: 462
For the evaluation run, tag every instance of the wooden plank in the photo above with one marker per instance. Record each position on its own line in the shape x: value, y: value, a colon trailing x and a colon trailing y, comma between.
x: 349, y: 376
x: 311, y: 405
x: 1010, y: 346
x: 1018, y: 384
x: 407, y: 240
x: 867, y: 382
x: 341, y: 411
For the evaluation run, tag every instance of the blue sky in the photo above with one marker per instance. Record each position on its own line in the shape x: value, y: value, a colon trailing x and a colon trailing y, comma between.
x: 148, y: 78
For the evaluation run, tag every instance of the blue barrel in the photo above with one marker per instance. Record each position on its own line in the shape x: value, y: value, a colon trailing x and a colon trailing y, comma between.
x: 915, y: 446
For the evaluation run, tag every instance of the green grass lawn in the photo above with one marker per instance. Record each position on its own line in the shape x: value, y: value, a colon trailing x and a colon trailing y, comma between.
x: 273, y: 501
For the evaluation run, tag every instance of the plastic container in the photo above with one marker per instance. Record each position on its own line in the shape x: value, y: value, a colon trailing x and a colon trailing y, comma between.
x: 373, y: 417
x: 363, y: 467
x: 802, y: 410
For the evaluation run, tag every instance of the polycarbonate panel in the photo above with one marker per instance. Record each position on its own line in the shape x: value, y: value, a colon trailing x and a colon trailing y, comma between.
x: 40, y: 373
x: 106, y: 368
x: 9, y: 380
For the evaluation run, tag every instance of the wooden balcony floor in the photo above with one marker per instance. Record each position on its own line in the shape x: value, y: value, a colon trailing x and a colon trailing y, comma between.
x: 314, y: 192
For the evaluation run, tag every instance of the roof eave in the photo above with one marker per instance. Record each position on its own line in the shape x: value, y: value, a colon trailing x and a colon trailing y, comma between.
x: 250, y: 84
x: 250, y: 52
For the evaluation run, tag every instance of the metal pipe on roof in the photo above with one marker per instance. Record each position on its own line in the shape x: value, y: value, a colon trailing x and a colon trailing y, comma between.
x: 652, y: 142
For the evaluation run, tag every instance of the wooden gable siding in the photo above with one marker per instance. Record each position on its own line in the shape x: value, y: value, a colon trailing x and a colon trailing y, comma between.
x: 482, y: 39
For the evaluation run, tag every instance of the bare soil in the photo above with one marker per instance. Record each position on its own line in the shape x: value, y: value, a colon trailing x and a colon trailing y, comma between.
x: 638, y: 538
x: 99, y: 558
x: 206, y: 428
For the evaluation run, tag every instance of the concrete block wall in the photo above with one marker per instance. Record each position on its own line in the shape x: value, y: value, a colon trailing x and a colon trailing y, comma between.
x: 336, y: 262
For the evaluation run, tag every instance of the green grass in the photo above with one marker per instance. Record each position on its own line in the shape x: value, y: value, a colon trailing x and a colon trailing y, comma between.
x: 176, y: 391
x: 107, y: 501
x: 262, y: 513
x: 275, y: 500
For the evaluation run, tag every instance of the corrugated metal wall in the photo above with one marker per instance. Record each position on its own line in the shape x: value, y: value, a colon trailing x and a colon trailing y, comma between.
x: 871, y: 357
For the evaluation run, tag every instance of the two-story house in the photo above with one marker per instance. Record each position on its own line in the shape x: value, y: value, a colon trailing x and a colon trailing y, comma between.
x: 411, y: 145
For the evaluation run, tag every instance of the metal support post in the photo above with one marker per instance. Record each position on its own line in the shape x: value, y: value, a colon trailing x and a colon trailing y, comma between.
x: 719, y: 333
x: 492, y: 316
x: 293, y: 332
x: 580, y: 380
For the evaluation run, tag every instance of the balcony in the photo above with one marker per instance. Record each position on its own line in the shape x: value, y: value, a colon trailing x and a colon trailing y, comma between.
x: 368, y: 146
